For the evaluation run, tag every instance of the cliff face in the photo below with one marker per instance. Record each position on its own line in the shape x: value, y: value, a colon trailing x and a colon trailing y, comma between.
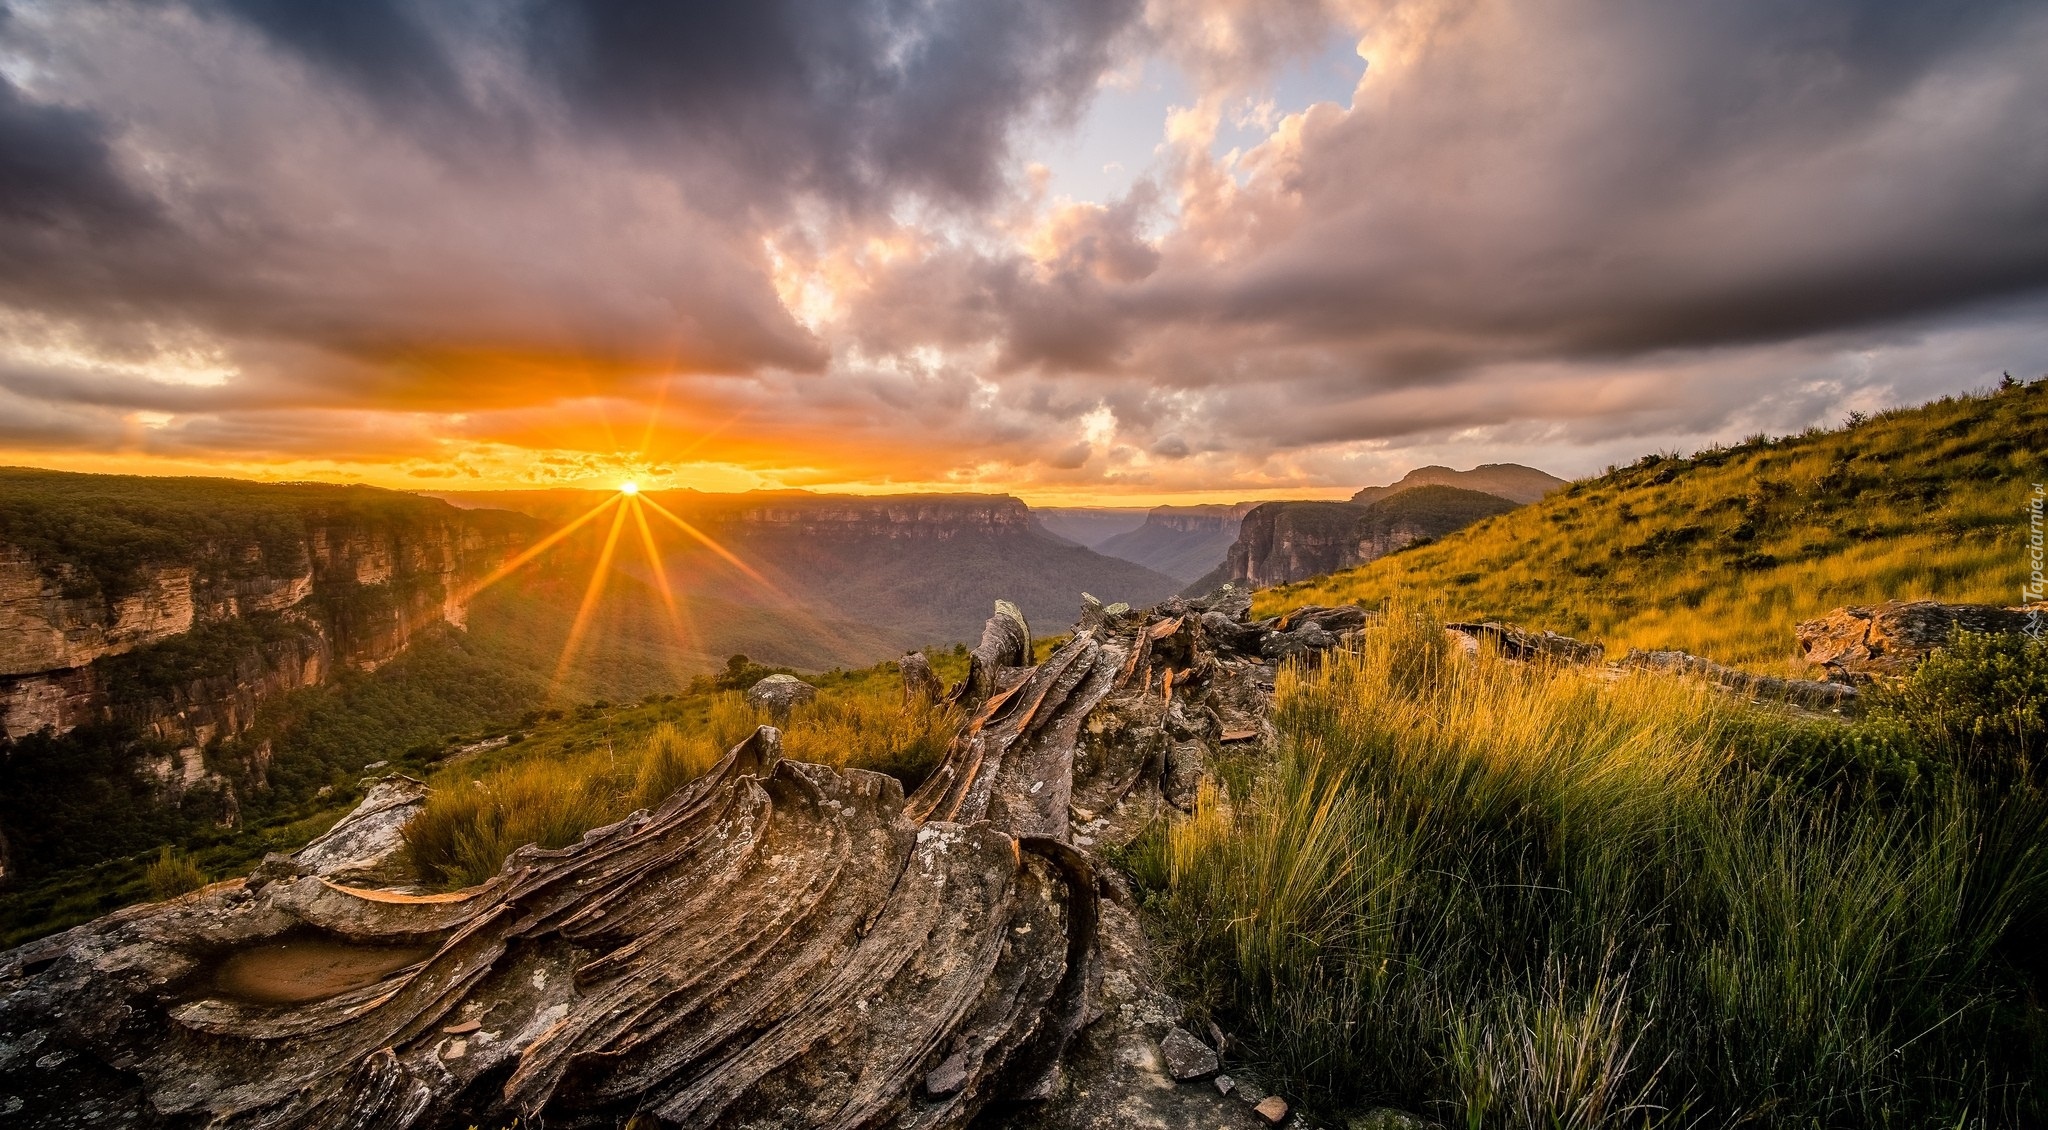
x: 1184, y: 542
x: 346, y: 591
x: 1281, y: 542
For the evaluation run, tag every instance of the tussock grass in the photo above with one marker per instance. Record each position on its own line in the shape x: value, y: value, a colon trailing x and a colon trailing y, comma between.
x: 171, y: 874
x: 1513, y: 896
x: 551, y: 796
x: 1720, y: 552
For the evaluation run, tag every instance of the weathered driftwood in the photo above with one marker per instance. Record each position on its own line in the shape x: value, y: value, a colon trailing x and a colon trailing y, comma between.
x: 778, y: 945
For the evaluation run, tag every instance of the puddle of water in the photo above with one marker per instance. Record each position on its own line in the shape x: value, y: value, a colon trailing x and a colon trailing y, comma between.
x: 295, y: 970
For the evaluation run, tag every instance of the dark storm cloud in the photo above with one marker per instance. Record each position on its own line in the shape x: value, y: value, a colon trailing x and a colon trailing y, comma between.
x: 432, y: 206
x: 859, y: 99
x: 378, y: 46
x: 1589, y: 219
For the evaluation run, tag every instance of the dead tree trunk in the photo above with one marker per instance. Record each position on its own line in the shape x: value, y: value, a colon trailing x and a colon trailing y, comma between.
x: 778, y: 944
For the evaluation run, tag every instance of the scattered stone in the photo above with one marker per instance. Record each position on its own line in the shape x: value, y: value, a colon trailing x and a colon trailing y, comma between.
x: 948, y: 1077
x: 1806, y: 693
x: 1857, y: 644
x: 1225, y: 1084
x: 778, y: 693
x: 1272, y: 1108
x: 1387, y: 1118
x: 1187, y: 1057
x: 1514, y: 643
x: 375, y: 765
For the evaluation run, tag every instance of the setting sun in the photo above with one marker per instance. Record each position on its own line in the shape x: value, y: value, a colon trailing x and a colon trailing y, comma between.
x: 629, y: 488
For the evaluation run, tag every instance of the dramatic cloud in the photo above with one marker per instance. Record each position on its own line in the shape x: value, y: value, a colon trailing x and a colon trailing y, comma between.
x: 816, y: 242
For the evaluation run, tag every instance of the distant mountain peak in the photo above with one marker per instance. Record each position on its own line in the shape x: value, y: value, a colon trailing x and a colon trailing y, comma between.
x: 1511, y: 481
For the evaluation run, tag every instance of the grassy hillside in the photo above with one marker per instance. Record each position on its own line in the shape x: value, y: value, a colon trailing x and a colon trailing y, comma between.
x: 1510, y: 896
x: 1722, y: 552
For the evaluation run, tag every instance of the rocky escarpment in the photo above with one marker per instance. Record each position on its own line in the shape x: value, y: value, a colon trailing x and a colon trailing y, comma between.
x: 1280, y: 542
x: 342, y: 592
x: 777, y: 945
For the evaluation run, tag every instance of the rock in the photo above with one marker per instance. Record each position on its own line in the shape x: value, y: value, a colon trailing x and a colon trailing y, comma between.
x: 778, y: 693
x: 369, y: 843
x: 1805, y: 693
x: 1005, y: 643
x: 848, y: 957
x: 1224, y: 1084
x: 1387, y: 1118
x: 920, y: 686
x: 1856, y: 644
x: 777, y: 944
x: 1514, y: 643
x: 1273, y: 1109
x: 1187, y: 1057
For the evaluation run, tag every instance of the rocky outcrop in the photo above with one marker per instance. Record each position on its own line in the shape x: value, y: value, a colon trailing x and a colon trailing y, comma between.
x: 778, y: 694
x: 1282, y: 542
x: 355, y: 593
x: 1805, y: 693
x: 777, y: 945
x: 1856, y: 644
x: 1514, y: 643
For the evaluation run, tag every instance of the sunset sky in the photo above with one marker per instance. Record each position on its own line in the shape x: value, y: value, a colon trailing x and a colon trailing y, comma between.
x: 1077, y: 250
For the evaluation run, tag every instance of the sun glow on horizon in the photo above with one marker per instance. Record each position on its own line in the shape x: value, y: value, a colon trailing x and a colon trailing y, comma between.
x: 629, y: 487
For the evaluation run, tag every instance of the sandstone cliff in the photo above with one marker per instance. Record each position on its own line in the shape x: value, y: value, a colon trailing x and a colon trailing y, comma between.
x: 1280, y: 542
x: 179, y: 605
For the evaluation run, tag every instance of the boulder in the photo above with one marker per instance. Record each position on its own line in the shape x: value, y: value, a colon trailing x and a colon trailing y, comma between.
x: 1187, y: 1057
x: 920, y: 686
x: 778, y: 693
x: 1859, y: 643
x: 368, y: 844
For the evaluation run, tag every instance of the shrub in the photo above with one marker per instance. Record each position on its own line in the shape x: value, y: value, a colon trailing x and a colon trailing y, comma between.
x: 172, y: 874
x: 1983, y: 699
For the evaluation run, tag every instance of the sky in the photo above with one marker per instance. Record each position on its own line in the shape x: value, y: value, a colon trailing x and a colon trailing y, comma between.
x: 1117, y: 252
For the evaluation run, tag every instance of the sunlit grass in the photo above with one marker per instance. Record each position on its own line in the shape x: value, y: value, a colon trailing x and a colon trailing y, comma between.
x: 1508, y: 896
x: 551, y: 796
x: 1722, y: 553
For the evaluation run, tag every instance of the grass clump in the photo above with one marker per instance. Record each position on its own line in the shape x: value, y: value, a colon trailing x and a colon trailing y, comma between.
x: 172, y: 874
x: 1512, y: 896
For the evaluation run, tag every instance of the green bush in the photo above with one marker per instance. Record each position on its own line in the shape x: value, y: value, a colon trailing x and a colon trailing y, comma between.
x: 172, y: 875
x: 1983, y: 699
